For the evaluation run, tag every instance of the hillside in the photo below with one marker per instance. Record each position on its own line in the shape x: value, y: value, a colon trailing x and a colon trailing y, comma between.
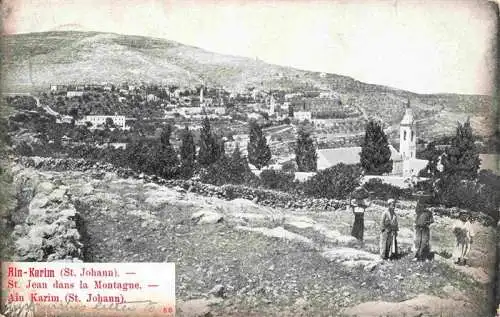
x: 64, y: 57
x: 241, y: 258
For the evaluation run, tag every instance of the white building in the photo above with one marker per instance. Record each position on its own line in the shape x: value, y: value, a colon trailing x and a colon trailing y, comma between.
x: 405, y: 163
x: 408, y: 145
x: 218, y: 110
x: 188, y: 111
x: 302, y: 115
x: 272, y: 106
x: 58, y: 88
x: 96, y: 121
x: 70, y: 94
x: 152, y: 98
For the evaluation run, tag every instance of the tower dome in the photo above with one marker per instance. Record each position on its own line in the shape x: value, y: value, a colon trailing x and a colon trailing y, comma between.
x: 408, y: 116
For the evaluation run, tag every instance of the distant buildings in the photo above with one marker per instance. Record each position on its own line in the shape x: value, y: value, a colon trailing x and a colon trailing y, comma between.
x: 96, y: 121
x: 302, y: 115
x: 70, y: 94
x: 152, y: 98
x: 58, y: 88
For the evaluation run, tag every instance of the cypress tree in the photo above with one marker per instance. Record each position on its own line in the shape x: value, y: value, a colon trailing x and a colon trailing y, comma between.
x: 305, y: 152
x: 259, y: 153
x: 187, y: 153
x: 375, y: 156
x: 163, y: 159
x: 238, y: 167
x: 204, y: 155
x: 211, y: 146
x: 461, y: 159
x: 431, y: 154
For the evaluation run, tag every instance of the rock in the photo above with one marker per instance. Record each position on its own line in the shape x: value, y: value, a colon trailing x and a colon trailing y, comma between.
x: 218, y: 290
x: 370, y: 266
x: 278, y: 232
x: 301, y: 303
x: 346, y: 240
x: 350, y: 257
x: 58, y: 194
x: 207, y: 217
x: 86, y: 189
x: 422, y: 305
x: 197, y: 307
x: 39, y: 201
x: 45, y: 188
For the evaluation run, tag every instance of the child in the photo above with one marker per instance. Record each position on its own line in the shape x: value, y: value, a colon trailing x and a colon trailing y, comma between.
x: 464, y: 234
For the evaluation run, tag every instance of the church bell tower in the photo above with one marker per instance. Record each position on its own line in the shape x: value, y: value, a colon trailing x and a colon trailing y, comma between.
x: 407, y: 135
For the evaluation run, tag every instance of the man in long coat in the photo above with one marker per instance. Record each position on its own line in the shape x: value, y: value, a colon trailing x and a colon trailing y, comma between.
x: 423, y: 220
x: 389, y: 230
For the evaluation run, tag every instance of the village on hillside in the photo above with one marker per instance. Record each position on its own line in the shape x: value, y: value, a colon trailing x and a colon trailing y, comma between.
x: 237, y: 174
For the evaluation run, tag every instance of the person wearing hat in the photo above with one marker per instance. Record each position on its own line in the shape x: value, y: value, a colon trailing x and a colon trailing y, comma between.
x: 464, y: 234
x: 357, y: 206
x: 389, y: 231
x: 423, y: 220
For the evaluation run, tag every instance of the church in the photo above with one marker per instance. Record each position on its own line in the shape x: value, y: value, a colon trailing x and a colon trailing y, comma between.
x: 405, y: 163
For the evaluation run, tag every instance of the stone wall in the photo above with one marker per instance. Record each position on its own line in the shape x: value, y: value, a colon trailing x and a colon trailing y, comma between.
x: 46, y: 223
x: 259, y: 195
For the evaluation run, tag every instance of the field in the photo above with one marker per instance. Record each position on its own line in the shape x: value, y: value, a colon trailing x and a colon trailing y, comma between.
x: 237, y: 258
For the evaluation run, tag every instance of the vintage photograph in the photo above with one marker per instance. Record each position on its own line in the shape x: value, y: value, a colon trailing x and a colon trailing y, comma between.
x: 291, y: 158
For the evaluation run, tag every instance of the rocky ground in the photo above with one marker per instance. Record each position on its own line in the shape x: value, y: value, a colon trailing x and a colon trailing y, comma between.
x: 237, y: 258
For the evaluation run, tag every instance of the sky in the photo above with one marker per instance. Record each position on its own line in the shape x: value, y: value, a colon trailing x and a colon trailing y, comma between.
x: 422, y: 46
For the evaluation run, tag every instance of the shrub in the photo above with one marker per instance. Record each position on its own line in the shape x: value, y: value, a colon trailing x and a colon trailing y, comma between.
x: 222, y: 172
x: 384, y: 191
x: 336, y: 182
x: 472, y: 195
x: 289, y: 167
x: 277, y: 180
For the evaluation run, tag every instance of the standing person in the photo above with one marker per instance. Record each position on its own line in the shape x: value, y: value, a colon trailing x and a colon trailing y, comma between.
x: 423, y: 220
x: 358, y: 206
x: 464, y: 234
x: 389, y: 230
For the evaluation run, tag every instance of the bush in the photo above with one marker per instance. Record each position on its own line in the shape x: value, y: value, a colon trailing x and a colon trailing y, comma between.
x: 336, y: 182
x: 384, y: 191
x: 277, y: 180
x: 220, y: 173
x: 472, y: 195
x: 289, y: 167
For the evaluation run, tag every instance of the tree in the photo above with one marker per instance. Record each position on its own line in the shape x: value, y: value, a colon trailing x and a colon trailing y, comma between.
x: 336, y: 182
x: 305, y: 151
x: 238, y: 167
x: 162, y: 158
x: 461, y: 159
x: 259, y: 153
x: 188, y: 153
x: 375, y: 156
x: 431, y: 154
x: 211, y: 146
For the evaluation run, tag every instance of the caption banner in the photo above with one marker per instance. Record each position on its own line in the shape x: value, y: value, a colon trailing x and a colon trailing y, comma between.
x: 88, y: 289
